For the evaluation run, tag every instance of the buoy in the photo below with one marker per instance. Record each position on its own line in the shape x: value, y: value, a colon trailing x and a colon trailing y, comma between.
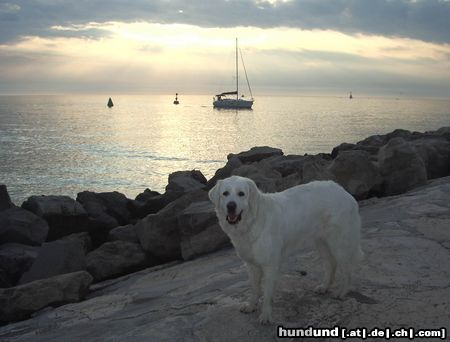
x: 176, y: 99
x: 110, y: 103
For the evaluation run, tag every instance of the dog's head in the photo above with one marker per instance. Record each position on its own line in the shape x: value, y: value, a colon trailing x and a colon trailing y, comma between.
x: 235, y: 199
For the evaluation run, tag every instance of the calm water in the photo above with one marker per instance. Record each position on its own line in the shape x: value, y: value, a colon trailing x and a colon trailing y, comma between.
x: 66, y: 144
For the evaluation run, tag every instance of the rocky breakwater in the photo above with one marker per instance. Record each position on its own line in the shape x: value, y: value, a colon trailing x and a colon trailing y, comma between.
x: 59, y: 244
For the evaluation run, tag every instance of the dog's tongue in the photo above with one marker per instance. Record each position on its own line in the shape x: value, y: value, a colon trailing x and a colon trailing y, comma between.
x: 232, y: 217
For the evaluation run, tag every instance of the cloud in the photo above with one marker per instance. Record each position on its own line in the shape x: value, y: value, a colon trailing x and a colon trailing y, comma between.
x: 426, y: 20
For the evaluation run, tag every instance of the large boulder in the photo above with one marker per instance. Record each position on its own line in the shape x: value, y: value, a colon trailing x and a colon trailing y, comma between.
x: 315, y: 168
x: 5, y: 200
x: 147, y: 195
x: 113, y: 204
x: 286, y: 165
x: 83, y: 239
x: 63, y: 214
x: 224, y: 172
x: 256, y: 154
x: 16, y: 259
x: 356, y: 173
x: 113, y: 259
x: 106, y: 210
x: 182, y: 182
x: 5, y: 279
x: 266, y: 178
x: 200, y: 232
x: 148, y: 202
x: 371, y: 149
x: 21, y: 226
x: 401, y: 167
x: 123, y: 233
x: 17, y: 303
x: 436, y: 156
x: 97, y: 211
x: 54, y: 258
x: 159, y: 234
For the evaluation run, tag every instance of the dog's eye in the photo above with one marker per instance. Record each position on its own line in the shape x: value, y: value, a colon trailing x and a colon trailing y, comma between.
x: 226, y: 193
x: 241, y: 194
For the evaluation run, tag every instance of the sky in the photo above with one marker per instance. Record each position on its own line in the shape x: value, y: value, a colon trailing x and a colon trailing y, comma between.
x: 372, y: 47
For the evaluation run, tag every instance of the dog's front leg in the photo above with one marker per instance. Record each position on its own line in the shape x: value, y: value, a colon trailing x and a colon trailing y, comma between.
x: 270, y: 274
x: 254, y: 277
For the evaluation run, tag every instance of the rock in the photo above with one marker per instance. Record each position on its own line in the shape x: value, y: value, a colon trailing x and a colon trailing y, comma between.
x: 286, y: 165
x: 5, y: 280
x: 356, y: 173
x: 123, y: 233
x: 140, y: 209
x: 5, y: 201
x: 83, y: 239
x: 182, y: 182
x: 63, y: 214
x: 98, y: 211
x: 147, y: 195
x: 21, y: 226
x: 107, y: 210
x: 398, y: 133
x: 54, y: 258
x: 342, y: 147
x: 267, y: 179
x: 116, y: 205
x: 315, y: 168
x: 199, y: 230
x: 256, y: 154
x: 159, y: 234
x: 224, y: 172
x: 209, y: 240
x: 20, y: 302
x: 113, y: 259
x: 443, y: 132
x: 375, y: 141
x: 373, y: 150
x: 436, y: 155
x: 406, y: 242
x: 401, y: 167
x: 16, y: 259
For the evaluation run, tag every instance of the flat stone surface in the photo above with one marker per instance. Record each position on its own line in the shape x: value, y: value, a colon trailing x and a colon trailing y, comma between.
x: 404, y: 281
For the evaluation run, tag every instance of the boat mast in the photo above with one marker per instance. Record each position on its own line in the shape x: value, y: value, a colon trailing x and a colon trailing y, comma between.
x: 237, y: 72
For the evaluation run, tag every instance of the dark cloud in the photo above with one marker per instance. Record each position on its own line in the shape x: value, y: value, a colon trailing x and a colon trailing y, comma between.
x: 427, y: 20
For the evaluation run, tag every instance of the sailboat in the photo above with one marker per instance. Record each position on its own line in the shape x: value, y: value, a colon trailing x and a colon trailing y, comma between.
x: 223, y: 100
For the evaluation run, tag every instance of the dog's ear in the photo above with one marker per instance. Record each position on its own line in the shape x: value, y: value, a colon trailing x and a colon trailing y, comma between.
x: 214, y: 193
x: 253, y: 191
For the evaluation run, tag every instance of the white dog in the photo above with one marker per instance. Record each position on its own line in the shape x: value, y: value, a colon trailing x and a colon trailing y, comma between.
x: 266, y: 227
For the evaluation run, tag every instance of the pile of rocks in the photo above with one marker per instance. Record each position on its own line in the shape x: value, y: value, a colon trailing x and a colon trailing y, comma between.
x: 53, y: 247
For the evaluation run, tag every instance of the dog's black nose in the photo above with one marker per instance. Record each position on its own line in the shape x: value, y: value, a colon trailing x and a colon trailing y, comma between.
x: 231, y: 206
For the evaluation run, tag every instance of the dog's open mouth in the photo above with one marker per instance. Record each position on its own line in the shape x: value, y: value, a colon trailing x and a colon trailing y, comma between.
x: 234, y: 218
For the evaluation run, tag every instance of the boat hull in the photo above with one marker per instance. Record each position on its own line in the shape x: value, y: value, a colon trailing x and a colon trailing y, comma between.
x: 233, y: 104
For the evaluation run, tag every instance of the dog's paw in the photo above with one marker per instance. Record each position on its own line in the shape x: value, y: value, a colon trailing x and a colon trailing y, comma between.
x: 265, y: 318
x: 340, y: 294
x: 321, y: 289
x: 247, y: 308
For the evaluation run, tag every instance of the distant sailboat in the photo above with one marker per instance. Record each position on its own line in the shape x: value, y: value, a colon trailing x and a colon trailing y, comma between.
x: 221, y: 101
x: 176, y: 99
x: 110, y: 103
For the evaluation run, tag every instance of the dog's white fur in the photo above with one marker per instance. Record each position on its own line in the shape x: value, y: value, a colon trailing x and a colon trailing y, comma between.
x: 271, y: 226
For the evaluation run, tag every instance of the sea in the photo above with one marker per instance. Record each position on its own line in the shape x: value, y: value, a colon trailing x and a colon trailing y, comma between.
x: 61, y: 145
